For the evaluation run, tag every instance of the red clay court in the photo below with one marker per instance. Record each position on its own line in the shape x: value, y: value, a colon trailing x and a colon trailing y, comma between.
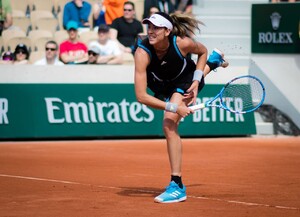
x: 224, y: 177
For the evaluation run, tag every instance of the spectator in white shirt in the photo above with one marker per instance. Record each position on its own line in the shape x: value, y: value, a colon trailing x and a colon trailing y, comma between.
x: 110, y: 52
x: 51, y: 55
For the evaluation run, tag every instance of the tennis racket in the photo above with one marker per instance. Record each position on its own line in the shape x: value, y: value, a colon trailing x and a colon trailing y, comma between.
x: 240, y: 95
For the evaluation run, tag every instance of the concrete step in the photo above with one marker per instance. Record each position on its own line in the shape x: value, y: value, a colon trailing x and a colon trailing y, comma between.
x: 230, y: 44
x: 225, y: 7
x: 225, y: 24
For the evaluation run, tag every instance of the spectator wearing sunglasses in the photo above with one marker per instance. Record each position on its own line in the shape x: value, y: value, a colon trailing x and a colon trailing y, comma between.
x: 93, y: 53
x: 7, y: 58
x: 126, y: 29
x: 21, y: 55
x: 51, y: 55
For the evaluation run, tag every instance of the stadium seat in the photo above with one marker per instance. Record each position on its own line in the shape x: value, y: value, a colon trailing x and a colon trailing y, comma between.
x: 38, y: 39
x: 23, y: 23
x: 13, y: 42
x: 60, y: 4
x: 38, y: 14
x: 22, y: 5
x: 1, y: 45
x: 139, y: 8
x: 39, y: 44
x: 45, y: 5
x: 50, y: 24
x: 9, y: 34
x: 60, y: 36
x: 35, y: 56
x: 18, y: 13
x: 60, y: 20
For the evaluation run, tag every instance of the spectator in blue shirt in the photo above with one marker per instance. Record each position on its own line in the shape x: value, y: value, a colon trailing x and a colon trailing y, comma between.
x: 79, y: 11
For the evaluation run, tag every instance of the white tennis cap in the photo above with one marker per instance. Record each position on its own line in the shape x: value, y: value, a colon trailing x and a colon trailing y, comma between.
x: 159, y: 21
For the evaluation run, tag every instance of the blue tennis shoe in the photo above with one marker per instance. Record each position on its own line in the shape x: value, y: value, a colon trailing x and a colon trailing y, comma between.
x: 173, y: 194
x: 216, y: 59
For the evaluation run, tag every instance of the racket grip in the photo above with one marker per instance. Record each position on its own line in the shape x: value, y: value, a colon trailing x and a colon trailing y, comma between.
x: 198, y: 106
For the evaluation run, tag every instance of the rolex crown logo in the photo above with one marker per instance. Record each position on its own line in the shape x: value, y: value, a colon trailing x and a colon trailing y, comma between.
x: 275, y: 20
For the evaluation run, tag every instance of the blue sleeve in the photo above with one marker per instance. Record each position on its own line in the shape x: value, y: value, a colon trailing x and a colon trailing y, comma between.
x: 85, y: 11
x: 66, y: 15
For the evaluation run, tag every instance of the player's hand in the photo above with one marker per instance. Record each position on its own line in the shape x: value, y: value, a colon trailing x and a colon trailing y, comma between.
x: 184, y: 111
x: 192, y: 93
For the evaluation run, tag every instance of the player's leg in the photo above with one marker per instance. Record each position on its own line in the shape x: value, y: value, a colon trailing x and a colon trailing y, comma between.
x: 175, y: 192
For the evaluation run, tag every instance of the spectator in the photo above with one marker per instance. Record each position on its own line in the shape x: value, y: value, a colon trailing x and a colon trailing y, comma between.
x: 184, y: 6
x: 6, y: 19
x: 153, y: 10
x: 126, y: 28
x: 21, y: 55
x: 113, y: 10
x: 72, y: 51
x: 7, y: 58
x: 51, y: 57
x: 78, y: 11
x: 94, y: 53
x: 110, y: 52
x: 167, y: 6
x: 98, y: 14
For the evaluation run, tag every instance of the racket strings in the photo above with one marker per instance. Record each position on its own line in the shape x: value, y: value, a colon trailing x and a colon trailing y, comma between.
x: 243, y: 94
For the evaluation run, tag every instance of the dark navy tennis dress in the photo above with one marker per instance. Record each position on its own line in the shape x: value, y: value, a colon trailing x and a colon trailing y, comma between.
x: 170, y: 74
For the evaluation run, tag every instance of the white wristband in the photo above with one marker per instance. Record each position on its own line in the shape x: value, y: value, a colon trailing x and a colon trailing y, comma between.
x: 198, y: 74
x: 171, y: 107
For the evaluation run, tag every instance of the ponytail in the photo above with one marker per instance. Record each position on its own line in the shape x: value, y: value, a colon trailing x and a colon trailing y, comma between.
x: 184, y: 25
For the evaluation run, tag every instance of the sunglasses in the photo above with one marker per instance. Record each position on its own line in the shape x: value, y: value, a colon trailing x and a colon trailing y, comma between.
x: 20, y: 52
x: 48, y: 48
x: 92, y: 53
x: 128, y: 10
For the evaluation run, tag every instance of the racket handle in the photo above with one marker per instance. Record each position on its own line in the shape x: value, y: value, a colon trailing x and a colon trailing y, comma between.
x: 198, y: 106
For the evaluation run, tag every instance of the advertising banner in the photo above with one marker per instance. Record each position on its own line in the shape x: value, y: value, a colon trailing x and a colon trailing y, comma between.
x: 102, y: 110
x: 275, y: 28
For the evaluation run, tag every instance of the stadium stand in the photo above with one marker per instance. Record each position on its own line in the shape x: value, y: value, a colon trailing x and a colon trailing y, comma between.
x: 45, y: 5
x: 32, y: 18
x: 87, y: 37
x: 60, y: 36
x: 7, y: 35
x: 38, y: 39
x: 23, y: 23
x: 36, y: 55
x: 49, y: 24
x: 39, y: 14
x: 18, y: 13
x: 22, y: 5
x: 13, y: 42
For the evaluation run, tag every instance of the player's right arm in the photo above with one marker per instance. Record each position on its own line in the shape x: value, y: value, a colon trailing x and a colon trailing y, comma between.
x: 142, y: 60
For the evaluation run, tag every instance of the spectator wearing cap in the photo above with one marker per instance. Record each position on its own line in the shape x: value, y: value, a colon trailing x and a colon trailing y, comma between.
x: 93, y: 53
x: 51, y: 55
x: 21, y: 54
x: 126, y: 28
x: 72, y: 51
x: 110, y: 52
x: 7, y: 58
x: 78, y: 11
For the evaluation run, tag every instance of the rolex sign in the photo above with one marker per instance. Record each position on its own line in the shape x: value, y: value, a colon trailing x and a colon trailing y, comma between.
x: 276, y: 28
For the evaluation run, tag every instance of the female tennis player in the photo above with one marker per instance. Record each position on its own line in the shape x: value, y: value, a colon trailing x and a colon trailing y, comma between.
x: 163, y: 64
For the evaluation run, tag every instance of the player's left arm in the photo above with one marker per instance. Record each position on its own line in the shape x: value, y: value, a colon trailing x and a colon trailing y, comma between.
x: 187, y: 46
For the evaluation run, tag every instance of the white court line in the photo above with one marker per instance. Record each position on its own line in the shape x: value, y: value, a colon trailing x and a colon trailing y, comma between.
x: 147, y: 191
